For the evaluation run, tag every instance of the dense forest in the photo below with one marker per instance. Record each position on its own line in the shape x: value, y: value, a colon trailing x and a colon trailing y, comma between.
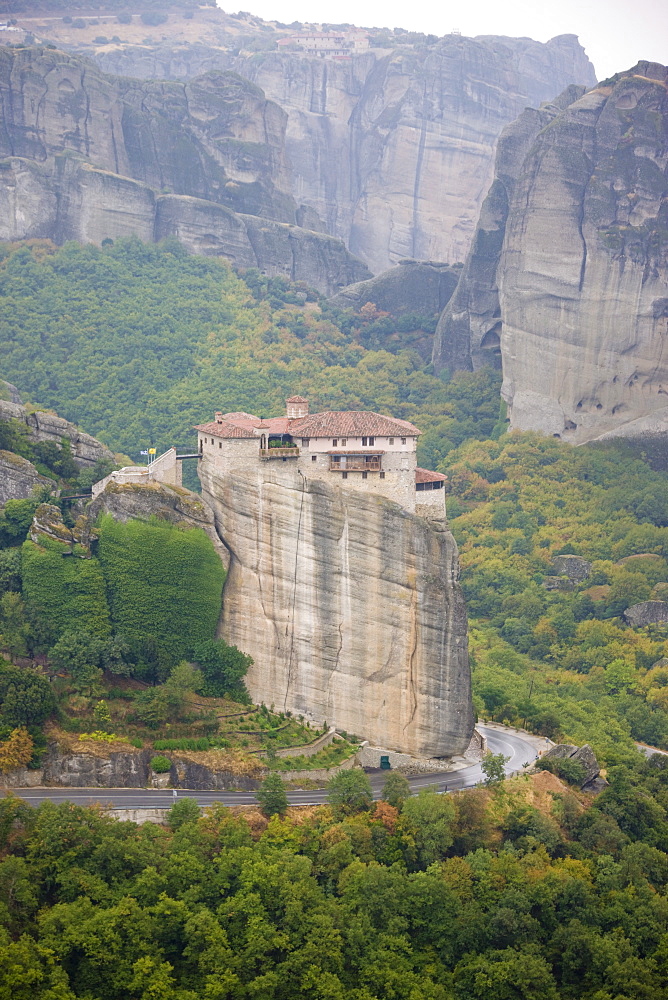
x: 522, y: 890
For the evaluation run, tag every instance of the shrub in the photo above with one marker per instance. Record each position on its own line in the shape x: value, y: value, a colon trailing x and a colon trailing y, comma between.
x: 161, y: 765
x: 100, y: 40
x: 16, y: 750
x: 153, y: 17
x: 184, y: 811
x: 99, y: 737
x: 124, y: 18
x: 78, y: 22
x: 571, y: 771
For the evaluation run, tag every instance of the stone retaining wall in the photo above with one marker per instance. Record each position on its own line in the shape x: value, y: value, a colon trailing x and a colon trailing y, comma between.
x: 369, y: 756
x: 319, y: 773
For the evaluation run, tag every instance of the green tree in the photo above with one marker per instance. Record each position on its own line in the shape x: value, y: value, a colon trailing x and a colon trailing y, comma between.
x: 183, y: 811
x: 349, y: 791
x: 493, y: 766
x: 396, y: 789
x: 26, y: 698
x: 78, y: 654
x: 271, y: 796
x: 102, y: 715
x: 430, y: 817
x: 223, y: 668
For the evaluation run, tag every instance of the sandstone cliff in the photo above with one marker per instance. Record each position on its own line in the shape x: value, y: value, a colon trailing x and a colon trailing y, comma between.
x: 468, y: 335
x: 89, y: 157
x: 350, y: 607
x: 393, y: 148
x: 575, y: 281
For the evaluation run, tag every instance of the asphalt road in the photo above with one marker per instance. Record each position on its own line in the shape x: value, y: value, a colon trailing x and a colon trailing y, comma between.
x: 513, y: 746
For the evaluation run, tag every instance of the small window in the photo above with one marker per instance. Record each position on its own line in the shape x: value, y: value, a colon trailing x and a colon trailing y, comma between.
x: 335, y: 442
x: 344, y: 475
x: 364, y: 442
x: 305, y: 442
x: 313, y: 458
x: 403, y: 440
x: 365, y: 475
x: 220, y: 444
x: 382, y: 475
x: 391, y: 440
x: 371, y: 441
x: 344, y: 441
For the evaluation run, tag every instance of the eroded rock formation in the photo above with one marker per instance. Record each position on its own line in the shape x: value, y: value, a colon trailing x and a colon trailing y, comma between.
x: 393, y: 148
x: 570, y: 278
x: 349, y: 606
x: 90, y: 157
x: 413, y: 286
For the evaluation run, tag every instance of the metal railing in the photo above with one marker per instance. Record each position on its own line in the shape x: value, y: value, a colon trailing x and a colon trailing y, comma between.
x: 279, y: 452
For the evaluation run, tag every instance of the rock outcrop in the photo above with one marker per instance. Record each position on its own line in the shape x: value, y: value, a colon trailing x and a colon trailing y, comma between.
x: 647, y: 613
x: 349, y: 606
x: 570, y: 280
x: 174, y: 504
x: 575, y: 568
x: 468, y: 335
x: 18, y: 477
x: 585, y: 756
x: 392, y: 148
x: 90, y: 157
x: 44, y: 426
x: 413, y: 286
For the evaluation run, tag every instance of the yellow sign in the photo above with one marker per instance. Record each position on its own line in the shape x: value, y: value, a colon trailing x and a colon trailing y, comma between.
x: 151, y: 451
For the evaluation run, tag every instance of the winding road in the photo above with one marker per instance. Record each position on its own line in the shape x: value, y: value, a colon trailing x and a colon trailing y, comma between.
x: 517, y: 749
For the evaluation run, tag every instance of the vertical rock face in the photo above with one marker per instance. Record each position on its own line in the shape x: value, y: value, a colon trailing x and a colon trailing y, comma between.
x: 392, y: 149
x: 575, y: 282
x: 89, y: 157
x: 349, y: 606
x: 468, y: 335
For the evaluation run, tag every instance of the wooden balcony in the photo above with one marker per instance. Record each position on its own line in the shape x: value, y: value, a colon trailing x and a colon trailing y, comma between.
x: 267, y: 453
x: 355, y: 463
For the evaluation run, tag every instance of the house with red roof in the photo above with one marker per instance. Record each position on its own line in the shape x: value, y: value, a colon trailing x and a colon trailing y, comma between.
x: 354, y: 449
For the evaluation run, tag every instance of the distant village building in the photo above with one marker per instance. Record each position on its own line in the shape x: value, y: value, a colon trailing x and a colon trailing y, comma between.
x: 328, y: 44
x: 357, y: 449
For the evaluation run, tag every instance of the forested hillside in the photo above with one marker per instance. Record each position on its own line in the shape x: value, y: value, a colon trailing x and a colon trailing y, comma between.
x: 136, y: 343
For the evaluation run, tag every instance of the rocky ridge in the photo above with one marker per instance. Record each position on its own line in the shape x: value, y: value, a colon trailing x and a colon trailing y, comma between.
x: 568, y: 275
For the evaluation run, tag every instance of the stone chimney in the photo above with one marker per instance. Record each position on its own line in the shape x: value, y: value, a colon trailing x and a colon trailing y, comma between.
x: 296, y: 406
x: 218, y: 417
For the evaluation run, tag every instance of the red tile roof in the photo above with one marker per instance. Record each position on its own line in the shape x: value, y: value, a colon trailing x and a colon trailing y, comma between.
x: 351, y: 423
x: 426, y: 476
x: 224, y: 430
x: 296, y: 399
x: 335, y: 423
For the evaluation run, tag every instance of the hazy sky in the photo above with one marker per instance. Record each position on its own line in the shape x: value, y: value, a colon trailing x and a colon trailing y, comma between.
x: 614, y: 33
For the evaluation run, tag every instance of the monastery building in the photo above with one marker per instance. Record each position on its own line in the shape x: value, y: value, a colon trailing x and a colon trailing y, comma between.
x: 356, y: 449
